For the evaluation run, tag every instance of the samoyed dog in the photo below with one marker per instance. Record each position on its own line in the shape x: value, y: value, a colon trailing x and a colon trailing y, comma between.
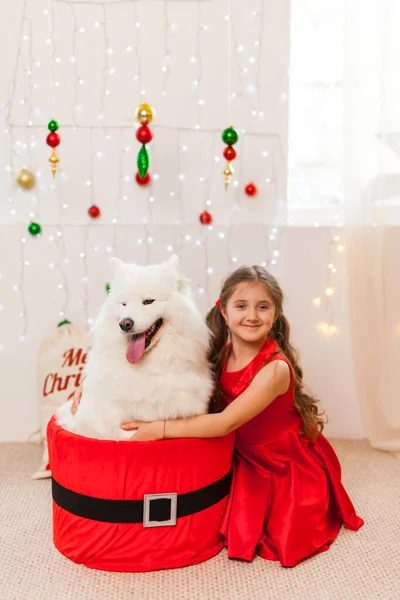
x: 148, y: 359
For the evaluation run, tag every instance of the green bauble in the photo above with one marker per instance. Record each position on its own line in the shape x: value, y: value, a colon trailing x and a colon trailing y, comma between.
x: 108, y: 288
x: 143, y: 161
x: 230, y: 136
x: 52, y: 125
x: 34, y: 228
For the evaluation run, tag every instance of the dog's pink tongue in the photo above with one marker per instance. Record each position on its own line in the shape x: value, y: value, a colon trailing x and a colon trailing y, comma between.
x: 135, y: 348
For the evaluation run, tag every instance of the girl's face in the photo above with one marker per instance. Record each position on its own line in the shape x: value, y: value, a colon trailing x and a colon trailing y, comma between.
x: 250, y: 312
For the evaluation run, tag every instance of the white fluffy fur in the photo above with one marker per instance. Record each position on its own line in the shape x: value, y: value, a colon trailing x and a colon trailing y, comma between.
x: 171, y: 380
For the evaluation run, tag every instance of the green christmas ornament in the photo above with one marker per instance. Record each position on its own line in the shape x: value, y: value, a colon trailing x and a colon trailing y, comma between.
x: 52, y: 125
x: 108, y: 288
x: 65, y: 322
x: 34, y: 228
x: 143, y: 161
x: 230, y: 136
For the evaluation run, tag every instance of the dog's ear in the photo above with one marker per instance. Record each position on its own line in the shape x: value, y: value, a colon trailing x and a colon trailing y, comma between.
x: 174, y: 261
x: 116, y: 265
x: 182, y: 284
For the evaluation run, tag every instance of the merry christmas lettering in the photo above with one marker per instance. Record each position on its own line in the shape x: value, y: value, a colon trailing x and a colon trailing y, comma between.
x: 55, y: 382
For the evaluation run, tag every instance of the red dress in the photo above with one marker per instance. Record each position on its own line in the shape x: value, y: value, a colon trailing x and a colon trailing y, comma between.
x: 287, y: 501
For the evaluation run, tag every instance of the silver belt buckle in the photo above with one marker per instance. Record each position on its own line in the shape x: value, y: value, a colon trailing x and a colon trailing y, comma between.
x: 148, y: 498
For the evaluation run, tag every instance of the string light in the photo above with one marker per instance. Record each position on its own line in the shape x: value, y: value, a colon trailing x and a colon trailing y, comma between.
x: 325, y: 300
x: 185, y: 233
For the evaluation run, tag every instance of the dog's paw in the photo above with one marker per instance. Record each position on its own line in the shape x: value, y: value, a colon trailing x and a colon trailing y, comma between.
x: 64, y: 417
x: 125, y: 435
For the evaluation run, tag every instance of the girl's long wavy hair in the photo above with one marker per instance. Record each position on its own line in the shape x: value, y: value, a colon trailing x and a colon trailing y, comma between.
x: 280, y: 332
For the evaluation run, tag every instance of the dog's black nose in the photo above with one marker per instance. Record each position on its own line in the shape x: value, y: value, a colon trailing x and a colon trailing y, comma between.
x: 126, y: 324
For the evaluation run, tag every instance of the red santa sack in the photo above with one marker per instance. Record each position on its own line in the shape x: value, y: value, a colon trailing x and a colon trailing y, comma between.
x: 144, y: 506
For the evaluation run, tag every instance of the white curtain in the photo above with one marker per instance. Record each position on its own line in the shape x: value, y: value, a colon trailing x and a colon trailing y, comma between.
x: 344, y: 171
x: 371, y: 100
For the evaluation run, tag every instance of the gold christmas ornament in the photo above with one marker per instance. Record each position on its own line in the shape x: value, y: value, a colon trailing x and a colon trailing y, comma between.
x: 54, y: 159
x: 26, y: 179
x: 145, y: 113
x: 228, y: 172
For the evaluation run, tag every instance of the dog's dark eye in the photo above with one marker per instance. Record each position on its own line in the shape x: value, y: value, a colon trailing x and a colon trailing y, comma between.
x: 123, y: 303
x: 148, y: 301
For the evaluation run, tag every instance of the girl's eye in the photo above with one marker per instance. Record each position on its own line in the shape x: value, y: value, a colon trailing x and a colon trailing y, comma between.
x: 240, y: 306
x: 148, y: 301
x: 123, y: 303
x: 264, y: 306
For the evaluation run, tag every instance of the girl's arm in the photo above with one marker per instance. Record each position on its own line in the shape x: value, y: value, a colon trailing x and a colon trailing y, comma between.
x: 271, y: 381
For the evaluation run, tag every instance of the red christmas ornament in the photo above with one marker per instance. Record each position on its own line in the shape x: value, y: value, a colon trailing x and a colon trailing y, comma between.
x: 144, y: 134
x: 251, y: 189
x: 142, y: 180
x: 230, y: 153
x: 53, y: 139
x: 205, y: 218
x: 94, y: 211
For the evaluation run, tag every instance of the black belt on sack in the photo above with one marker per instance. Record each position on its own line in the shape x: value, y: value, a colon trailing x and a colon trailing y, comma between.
x: 155, y: 510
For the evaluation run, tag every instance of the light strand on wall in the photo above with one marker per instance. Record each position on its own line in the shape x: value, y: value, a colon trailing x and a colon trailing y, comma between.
x: 120, y: 193
x: 181, y: 177
x: 62, y: 262
x: 240, y: 72
x: 167, y: 54
x: 83, y: 255
x: 198, y: 62
x: 23, y: 314
x: 138, y: 46
x: 11, y: 97
x: 107, y: 69
x: 328, y: 327
x: 75, y: 31
x: 26, y: 147
x: 215, y: 139
x: 259, y: 46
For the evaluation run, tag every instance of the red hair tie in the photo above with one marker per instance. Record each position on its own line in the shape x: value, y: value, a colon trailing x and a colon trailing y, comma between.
x: 218, y: 303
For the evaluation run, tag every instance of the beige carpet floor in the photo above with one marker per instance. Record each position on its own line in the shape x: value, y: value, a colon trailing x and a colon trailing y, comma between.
x: 359, y: 566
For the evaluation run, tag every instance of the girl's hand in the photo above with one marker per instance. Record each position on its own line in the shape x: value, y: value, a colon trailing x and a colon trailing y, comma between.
x: 145, y: 432
x: 76, y: 400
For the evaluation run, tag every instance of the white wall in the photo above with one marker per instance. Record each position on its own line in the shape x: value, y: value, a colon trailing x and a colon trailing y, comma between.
x: 242, y: 226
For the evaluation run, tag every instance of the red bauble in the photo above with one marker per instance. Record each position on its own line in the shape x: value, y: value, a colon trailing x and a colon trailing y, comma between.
x: 230, y: 153
x: 93, y: 211
x: 251, y: 189
x: 53, y: 139
x: 144, y: 134
x: 205, y: 218
x: 142, y: 180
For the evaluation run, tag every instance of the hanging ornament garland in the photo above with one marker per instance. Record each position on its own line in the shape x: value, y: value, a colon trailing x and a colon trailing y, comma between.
x: 144, y: 115
x: 53, y: 140
x: 229, y: 136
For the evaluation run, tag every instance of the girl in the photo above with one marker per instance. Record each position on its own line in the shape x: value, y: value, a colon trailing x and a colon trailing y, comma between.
x: 287, y: 501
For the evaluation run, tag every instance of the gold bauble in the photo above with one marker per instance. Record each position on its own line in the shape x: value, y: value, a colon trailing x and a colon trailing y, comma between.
x: 26, y: 179
x: 145, y: 113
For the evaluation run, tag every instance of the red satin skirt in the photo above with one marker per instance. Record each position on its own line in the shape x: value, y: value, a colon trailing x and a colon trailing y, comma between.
x: 87, y: 471
x: 287, y: 501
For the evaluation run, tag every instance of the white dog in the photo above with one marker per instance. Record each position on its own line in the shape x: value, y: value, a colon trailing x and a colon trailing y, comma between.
x: 148, y: 359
